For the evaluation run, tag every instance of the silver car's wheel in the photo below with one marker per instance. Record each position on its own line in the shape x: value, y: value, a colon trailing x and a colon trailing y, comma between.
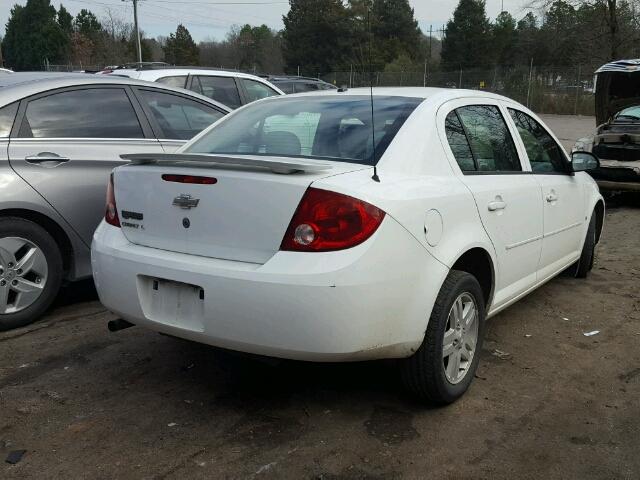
x: 23, y: 274
x: 460, y: 338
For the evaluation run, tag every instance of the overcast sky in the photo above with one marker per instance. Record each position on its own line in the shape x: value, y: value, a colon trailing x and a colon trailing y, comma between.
x: 213, y: 18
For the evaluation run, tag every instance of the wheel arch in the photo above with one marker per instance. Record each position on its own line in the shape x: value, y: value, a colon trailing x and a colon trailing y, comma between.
x: 52, y: 227
x: 478, y: 262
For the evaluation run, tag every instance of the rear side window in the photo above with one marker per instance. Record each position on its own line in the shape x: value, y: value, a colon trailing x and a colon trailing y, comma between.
x: 545, y: 155
x: 178, y: 81
x: 7, y: 116
x: 458, y: 142
x: 286, y: 87
x: 306, y: 87
x: 220, y: 89
x: 90, y: 113
x: 256, y: 90
x: 489, y: 139
x: 179, y: 118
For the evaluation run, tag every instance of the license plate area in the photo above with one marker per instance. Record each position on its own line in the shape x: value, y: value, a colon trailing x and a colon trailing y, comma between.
x: 172, y: 303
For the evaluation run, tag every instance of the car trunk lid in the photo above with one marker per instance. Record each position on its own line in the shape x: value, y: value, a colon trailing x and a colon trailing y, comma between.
x: 242, y: 216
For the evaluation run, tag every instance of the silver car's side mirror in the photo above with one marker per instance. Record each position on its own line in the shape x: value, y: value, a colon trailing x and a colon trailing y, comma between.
x: 584, y: 161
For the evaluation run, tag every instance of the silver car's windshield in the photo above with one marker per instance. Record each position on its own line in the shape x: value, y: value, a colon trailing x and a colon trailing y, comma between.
x: 339, y: 128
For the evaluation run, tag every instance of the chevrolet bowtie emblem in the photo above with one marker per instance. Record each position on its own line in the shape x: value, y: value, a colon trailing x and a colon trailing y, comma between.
x: 185, y: 201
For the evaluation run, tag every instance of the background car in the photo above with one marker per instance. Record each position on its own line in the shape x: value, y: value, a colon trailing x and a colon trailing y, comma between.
x: 61, y: 136
x: 294, y: 84
x: 232, y: 89
x: 343, y: 226
x: 616, y: 141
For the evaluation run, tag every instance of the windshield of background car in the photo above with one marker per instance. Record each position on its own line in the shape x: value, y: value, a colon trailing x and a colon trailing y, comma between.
x: 338, y: 128
x: 631, y: 114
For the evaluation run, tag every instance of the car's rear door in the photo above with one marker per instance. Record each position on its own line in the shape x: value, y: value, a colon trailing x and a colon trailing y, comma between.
x: 507, y: 196
x: 562, y: 192
x: 65, y: 142
x: 176, y: 118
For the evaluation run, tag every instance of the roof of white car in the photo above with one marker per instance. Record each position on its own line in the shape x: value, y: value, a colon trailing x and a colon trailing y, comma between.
x: 156, y: 73
x: 443, y: 94
x: 24, y: 84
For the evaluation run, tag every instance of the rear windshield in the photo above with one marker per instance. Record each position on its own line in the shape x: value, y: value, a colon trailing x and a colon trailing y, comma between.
x: 335, y: 127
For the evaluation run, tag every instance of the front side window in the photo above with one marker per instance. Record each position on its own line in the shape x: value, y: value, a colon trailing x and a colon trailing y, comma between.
x: 328, y: 127
x: 90, y: 113
x: 545, y: 155
x: 7, y: 116
x: 179, y: 118
x: 220, y: 89
x: 176, y: 81
x: 489, y: 138
x: 256, y: 90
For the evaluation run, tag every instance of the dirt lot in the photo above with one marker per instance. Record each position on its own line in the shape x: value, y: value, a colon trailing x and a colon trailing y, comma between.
x: 547, y: 402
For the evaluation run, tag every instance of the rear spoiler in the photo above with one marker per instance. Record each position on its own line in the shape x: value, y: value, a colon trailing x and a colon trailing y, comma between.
x: 275, y: 164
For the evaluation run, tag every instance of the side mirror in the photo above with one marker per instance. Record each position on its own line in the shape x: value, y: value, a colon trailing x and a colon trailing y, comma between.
x: 584, y: 161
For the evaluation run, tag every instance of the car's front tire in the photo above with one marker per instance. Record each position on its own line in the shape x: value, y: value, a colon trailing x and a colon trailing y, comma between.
x: 30, y: 272
x: 584, y: 265
x: 444, y: 366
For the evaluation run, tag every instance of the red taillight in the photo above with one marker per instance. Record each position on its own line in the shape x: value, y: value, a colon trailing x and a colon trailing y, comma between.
x: 111, y: 212
x: 326, y: 221
x: 189, y: 179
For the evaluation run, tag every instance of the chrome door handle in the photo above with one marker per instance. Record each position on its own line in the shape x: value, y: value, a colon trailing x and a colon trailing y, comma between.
x: 46, y: 157
x: 496, y: 205
x: 552, y: 197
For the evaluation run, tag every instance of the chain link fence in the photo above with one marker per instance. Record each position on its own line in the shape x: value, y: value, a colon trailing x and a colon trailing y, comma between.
x: 567, y: 91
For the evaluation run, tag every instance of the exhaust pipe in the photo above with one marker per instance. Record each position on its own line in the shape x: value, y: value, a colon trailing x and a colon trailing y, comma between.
x: 119, y: 324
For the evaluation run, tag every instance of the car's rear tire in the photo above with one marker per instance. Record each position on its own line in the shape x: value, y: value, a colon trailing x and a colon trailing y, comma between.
x: 584, y: 265
x: 429, y: 373
x: 31, y: 271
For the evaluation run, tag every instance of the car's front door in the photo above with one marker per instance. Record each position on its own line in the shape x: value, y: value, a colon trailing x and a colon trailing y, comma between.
x: 66, y: 142
x: 562, y: 193
x: 507, y: 196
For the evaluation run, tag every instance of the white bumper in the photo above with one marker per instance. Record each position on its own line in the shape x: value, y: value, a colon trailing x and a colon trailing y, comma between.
x: 371, y: 301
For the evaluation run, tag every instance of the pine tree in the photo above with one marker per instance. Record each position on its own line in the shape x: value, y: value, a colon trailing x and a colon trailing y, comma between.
x: 316, y: 36
x: 181, y: 49
x: 467, y: 37
x: 34, y: 36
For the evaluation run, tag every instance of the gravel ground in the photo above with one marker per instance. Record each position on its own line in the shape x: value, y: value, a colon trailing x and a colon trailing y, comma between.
x: 548, y: 402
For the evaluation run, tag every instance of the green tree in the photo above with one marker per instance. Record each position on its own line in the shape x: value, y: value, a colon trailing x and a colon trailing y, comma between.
x: 65, y: 20
x: 559, y: 33
x: 316, y: 36
x: 529, y: 45
x: 467, y: 41
x: 87, y: 24
x: 395, y: 31
x: 33, y: 36
x: 180, y: 48
x: 504, y: 37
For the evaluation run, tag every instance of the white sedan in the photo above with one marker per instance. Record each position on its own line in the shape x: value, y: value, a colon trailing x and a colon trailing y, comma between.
x: 349, y: 225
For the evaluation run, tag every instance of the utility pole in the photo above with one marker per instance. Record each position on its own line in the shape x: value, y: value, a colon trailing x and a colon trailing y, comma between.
x: 137, y: 28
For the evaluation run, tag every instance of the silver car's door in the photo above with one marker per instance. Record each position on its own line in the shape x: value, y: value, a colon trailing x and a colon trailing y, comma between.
x: 176, y: 118
x: 66, y: 142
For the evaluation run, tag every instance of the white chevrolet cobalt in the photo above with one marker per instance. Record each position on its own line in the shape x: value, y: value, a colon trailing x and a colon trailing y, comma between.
x: 349, y: 225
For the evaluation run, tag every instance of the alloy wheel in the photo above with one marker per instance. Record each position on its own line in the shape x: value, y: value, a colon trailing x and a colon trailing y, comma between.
x: 460, y: 338
x: 23, y: 274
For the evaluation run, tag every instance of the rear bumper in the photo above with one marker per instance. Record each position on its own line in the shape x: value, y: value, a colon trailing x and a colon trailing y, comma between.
x: 371, y: 301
